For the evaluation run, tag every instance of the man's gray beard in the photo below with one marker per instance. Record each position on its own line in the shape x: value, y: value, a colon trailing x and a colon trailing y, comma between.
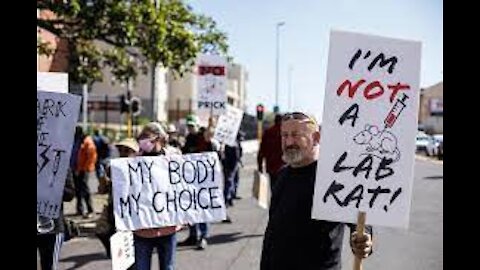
x: 292, y: 156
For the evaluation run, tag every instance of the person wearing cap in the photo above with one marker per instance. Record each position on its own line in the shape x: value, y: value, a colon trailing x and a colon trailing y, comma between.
x: 106, y: 223
x: 152, y: 141
x: 193, y: 138
x: 173, y: 136
x: 127, y: 147
x: 292, y: 239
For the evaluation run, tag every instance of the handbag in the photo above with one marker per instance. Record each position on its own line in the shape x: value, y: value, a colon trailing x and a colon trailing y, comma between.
x: 103, y: 183
x: 72, y: 229
x: 103, y: 226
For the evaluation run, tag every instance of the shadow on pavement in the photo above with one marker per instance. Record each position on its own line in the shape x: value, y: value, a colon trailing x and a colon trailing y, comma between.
x: 230, y: 237
x: 436, y: 177
x: 83, y: 259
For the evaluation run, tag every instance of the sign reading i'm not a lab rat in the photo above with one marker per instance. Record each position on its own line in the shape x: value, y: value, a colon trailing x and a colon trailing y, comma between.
x: 369, y: 126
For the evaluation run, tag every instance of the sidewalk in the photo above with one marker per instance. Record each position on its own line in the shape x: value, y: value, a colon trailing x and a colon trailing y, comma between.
x: 232, y: 246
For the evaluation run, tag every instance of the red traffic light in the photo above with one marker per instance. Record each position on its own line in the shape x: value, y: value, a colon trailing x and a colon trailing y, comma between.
x: 260, y: 110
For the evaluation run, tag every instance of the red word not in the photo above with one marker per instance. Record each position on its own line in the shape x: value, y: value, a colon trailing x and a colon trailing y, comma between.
x: 372, y: 90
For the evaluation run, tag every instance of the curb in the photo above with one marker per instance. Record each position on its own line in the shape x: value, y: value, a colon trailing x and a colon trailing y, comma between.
x: 429, y: 159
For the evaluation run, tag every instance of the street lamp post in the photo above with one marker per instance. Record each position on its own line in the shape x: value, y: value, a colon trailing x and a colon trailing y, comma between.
x: 153, y: 88
x: 290, y: 69
x: 279, y: 24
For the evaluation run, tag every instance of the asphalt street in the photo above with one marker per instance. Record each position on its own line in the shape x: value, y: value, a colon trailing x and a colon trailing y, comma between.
x: 238, y: 245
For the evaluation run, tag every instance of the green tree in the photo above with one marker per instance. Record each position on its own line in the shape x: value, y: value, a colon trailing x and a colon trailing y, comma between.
x: 140, y: 33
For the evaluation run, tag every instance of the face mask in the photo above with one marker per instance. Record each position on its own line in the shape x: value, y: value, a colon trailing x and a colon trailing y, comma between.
x: 146, y: 145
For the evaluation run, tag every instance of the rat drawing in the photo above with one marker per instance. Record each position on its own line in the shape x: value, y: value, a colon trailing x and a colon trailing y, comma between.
x: 378, y: 143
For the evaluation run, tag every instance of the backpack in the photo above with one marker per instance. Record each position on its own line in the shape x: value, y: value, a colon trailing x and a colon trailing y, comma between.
x: 103, y: 150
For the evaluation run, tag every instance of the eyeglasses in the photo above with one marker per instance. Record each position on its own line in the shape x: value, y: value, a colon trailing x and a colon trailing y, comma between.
x: 298, y: 116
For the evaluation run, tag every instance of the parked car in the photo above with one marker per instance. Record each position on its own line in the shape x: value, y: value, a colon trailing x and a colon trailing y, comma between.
x: 439, y: 140
x: 426, y: 144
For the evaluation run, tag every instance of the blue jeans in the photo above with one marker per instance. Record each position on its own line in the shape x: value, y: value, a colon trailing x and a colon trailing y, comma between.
x: 197, y: 228
x: 231, y: 183
x: 237, y: 178
x: 166, y: 246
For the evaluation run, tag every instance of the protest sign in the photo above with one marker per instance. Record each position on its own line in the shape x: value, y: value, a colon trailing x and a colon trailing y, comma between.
x: 369, y: 126
x: 52, y: 82
x: 151, y: 192
x: 122, y: 250
x: 228, y: 126
x: 57, y: 114
x: 212, y: 85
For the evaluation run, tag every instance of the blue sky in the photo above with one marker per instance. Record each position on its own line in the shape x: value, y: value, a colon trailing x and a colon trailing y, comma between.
x: 251, y: 28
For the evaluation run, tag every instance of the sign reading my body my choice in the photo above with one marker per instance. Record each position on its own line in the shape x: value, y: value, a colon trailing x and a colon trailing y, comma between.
x: 151, y: 192
x: 368, y: 130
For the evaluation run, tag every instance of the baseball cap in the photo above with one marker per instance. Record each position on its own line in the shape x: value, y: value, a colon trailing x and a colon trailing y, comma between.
x: 129, y: 143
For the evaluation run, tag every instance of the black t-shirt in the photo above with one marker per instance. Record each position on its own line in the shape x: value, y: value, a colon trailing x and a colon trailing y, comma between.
x: 293, y: 240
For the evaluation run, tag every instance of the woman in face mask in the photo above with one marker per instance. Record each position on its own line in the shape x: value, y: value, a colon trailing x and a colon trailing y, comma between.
x: 152, y: 142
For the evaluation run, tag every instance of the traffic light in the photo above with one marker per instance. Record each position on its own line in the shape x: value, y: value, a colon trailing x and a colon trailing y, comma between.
x: 123, y: 104
x: 260, y: 110
x: 136, y: 106
x: 276, y: 109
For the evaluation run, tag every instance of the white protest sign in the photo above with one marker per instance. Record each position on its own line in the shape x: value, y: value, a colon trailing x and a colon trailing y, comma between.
x: 369, y: 126
x: 52, y: 82
x: 57, y: 115
x: 228, y: 126
x: 122, y: 250
x: 151, y: 192
x: 212, y: 84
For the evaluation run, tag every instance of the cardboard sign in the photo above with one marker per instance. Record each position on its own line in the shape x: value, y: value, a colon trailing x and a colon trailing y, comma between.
x: 212, y: 85
x: 228, y: 126
x: 57, y: 115
x: 122, y: 250
x: 52, y: 82
x: 152, y: 192
x: 369, y: 126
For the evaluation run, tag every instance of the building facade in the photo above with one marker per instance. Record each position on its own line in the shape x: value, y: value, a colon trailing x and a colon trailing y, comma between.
x: 431, y: 109
x: 58, y: 61
x: 176, y: 96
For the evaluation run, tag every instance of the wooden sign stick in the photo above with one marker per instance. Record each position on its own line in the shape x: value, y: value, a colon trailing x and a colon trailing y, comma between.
x: 357, y: 264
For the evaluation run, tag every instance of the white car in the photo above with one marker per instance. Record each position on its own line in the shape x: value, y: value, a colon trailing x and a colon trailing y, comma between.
x: 439, y: 141
x: 426, y: 144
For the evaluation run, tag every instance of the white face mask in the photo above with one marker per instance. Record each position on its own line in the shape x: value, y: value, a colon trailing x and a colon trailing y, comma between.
x: 146, y: 145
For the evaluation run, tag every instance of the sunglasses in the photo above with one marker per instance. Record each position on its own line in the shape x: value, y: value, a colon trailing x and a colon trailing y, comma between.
x: 298, y: 116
